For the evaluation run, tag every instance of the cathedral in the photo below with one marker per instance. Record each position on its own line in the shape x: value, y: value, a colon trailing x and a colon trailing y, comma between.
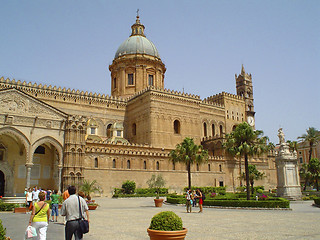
x: 52, y: 137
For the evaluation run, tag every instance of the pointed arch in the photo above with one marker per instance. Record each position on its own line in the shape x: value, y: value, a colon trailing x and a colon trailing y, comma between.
x: 52, y: 141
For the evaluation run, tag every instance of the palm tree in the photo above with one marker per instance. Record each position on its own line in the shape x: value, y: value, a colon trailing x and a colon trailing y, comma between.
x: 89, y: 187
x: 293, y: 145
x: 312, y: 136
x: 254, y: 174
x: 189, y: 153
x: 245, y: 142
x: 305, y: 174
x: 314, y: 169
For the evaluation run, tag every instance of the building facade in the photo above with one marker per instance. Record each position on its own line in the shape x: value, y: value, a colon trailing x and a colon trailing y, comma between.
x: 53, y: 137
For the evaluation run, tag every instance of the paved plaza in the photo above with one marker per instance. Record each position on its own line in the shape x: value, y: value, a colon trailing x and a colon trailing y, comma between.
x: 130, y: 218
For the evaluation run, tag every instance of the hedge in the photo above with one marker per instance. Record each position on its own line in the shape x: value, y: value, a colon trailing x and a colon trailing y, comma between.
x: 7, y: 206
x: 317, y: 201
x: 271, y: 203
x: 209, y: 190
x: 137, y: 195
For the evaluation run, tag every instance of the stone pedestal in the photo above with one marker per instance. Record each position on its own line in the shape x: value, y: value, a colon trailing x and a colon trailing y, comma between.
x: 287, y: 172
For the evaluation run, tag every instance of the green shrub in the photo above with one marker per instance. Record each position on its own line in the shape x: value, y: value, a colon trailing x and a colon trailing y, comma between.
x: 273, y: 203
x: 129, y: 187
x: 209, y: 190
x: 7, y: 206
x: 2, y: 231
x: 166, y: 221
x: 317, y: 201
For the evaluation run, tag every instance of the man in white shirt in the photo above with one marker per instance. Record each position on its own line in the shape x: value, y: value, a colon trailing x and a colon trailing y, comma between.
x: 70, y: 209
x: 35, y: 195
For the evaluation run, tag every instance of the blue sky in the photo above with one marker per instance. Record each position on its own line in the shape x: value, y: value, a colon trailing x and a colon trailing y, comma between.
x: 203, y: 44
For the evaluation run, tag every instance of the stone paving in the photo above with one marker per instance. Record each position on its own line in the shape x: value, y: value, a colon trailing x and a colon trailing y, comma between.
x: 130, y: 218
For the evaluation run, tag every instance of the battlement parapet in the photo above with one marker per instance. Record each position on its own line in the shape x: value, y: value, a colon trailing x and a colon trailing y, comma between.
x: 222, y: 95
x: 164, y: 91
x: 54, y: 92
x: 211, y: 103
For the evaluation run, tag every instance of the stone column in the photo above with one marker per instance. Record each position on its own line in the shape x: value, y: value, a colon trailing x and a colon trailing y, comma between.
x: 28, y: 166
x: 59, y: 178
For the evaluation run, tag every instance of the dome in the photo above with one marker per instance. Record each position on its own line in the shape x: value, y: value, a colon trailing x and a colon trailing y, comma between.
x: 137, y: 44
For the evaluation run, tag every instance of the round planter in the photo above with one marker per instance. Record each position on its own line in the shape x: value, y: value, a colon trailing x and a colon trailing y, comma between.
x: 158, y: 202
x: 163, y: 235
x: 92, y: 207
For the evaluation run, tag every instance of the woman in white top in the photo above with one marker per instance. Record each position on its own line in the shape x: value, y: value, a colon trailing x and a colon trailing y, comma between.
x: 28, y: 200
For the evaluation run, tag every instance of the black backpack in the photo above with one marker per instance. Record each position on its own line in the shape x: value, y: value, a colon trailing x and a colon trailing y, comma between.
x: 203, y: 196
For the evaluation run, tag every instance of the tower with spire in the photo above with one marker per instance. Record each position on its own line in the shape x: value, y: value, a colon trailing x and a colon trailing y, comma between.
x: 245, y: 89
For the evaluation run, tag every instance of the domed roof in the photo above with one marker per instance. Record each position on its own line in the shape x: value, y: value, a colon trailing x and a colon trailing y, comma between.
x: 137, y: 43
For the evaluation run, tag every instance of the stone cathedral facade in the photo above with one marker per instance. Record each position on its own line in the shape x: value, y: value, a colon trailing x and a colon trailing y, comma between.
x: 53, y: 137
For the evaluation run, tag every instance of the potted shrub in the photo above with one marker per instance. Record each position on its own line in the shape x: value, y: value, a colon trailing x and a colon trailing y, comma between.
x: 157, y: 182
x: 87, y: 188
x: 166, y: 225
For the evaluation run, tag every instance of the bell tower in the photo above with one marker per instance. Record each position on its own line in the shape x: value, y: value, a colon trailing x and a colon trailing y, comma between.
x: 245, y: 89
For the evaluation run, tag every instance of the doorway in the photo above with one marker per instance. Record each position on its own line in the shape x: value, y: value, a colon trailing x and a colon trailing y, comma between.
x: 2, y: 183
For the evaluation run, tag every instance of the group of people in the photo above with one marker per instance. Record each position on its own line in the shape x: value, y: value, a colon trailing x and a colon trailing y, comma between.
x: 191, y: 199
x: 73, y: 208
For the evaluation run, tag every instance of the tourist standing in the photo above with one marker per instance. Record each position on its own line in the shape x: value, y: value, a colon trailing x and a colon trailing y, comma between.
x: 55, y: 205
x: 189, y: 200
x: 194, y: 201
x: 39, y: 218
x: 199, y: 193
x: 35, y: 195
x: 70, y: 209
x: 28, y: 200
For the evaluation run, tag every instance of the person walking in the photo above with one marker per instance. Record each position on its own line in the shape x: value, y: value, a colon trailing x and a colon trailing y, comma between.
x: 71, y: 209
x: 55, y: 205
x: 39, y: 218
x: 35, y: 195
x: 189, y: 200
x: 199, y: 193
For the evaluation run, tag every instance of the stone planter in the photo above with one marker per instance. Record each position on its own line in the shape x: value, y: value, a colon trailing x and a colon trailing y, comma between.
x: 92, y: 207
x: 20, y: 210
x: 158, y: 202
x: 163, y: 235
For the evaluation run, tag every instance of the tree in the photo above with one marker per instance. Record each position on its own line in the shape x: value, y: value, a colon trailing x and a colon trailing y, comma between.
x: 189, y: 153
x: 245, y: 142
x: 89, y: 187
x: 305, y: 174
x: 254, y: 174
x: 156, y: 181
x: 312, y: 136
x: 314, y: 169
x: 293, y: 145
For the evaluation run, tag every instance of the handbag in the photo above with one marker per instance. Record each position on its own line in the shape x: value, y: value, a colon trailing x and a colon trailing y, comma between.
x: 30, y: 232
x: 84, y: 224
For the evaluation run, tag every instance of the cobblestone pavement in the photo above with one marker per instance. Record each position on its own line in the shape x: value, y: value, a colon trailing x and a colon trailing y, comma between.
x: 130, y: 218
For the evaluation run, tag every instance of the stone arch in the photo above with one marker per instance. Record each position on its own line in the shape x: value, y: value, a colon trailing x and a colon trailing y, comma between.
x: 51, y: 140
x: 8, y: 178
x: 18, y: 134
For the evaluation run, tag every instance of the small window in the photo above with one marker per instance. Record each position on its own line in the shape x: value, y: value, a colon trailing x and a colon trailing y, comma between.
x: 130, y: 79
x: 96, y: 162
x: 150, y: 80
x: 198, y: 167
x: 128, y: 164
x: 176, y: 126
x: 209, y: 167
x: 300, y: 153
x: 234, y: 127
x: 144, y: 165
x: 221, y: 130
x: 205, y: 129
x: 93, y: 131
x: 134, y: 129
x: 220, y: 183
x: 118, y: 133
x: 114, y: 163
x: 213, y: 130
x: 158, y: 166
x: 301, y: 160
x: 109, y: 132
x: 40, y: 150
x: 220, y: 168
x: 114, y: 83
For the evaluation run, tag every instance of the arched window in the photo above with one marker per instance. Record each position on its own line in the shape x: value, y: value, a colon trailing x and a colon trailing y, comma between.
x: 220, y: 168
x: 40, y: 150
x: 134, y: 129
x: 109, y: 133
x: 213, y: 130
x: 221, y: 130
x: 173, y: 166
x: 234, y: 127
x: 144, y: 165
x: 176, y: 127
x: 209, y: 167
x: 114, y: 163
x: 96, y: 162
x: 128, y: 164
x: 158, y: 166
x: 197, y: 166
x: 205, y: 129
